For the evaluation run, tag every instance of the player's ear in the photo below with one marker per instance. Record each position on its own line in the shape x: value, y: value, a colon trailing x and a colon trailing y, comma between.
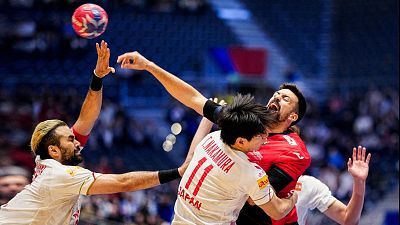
x: 54, y: 151
x: 293, y: 116
x: 240, y: 143
x: 239, y: 140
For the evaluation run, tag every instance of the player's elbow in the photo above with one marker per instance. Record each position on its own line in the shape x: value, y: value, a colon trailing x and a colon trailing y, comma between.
x: 124, y: 184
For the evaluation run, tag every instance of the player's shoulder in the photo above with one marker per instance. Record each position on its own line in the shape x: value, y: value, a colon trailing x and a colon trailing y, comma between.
x: 310, y: 182
x: 65, y: 171
x: 308, y: 179
x: 253, y: 170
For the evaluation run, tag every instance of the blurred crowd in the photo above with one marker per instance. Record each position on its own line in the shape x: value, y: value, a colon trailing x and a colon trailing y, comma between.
x: 330, y: 130
x: 47, y: 31
x: 368, y: 117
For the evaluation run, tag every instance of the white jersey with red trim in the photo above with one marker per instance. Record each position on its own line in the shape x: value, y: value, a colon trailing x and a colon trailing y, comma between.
x: 313, y: 194
x: 217, y: 183
x: 52, y: 198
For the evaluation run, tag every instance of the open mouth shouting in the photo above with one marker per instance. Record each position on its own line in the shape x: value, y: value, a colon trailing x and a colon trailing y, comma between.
x: 274, y: 106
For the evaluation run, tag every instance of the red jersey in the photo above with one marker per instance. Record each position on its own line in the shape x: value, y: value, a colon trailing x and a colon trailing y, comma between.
x: 289, y: 153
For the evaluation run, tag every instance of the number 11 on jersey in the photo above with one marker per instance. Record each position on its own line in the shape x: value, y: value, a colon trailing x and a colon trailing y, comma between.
x: 203, y: 176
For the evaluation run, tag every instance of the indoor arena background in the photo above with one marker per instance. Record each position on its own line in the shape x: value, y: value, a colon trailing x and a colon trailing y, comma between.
x: 343, y: 54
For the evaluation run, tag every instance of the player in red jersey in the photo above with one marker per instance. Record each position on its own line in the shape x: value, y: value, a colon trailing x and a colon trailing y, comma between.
x: 290, y: 157
x: 284, y: 157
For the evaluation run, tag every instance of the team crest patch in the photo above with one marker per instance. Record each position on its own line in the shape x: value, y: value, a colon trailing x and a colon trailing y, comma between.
x: 72, y: 170
x: 263, y: 182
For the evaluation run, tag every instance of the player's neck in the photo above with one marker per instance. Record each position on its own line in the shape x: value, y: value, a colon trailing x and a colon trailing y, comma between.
x: 236, y: 147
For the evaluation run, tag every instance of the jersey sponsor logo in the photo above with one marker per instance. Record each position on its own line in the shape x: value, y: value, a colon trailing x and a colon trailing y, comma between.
x: 298, y: 155
x: 72, y: 170
x: 186, y: 197
x: 290, y: 140
x: 263, y: 182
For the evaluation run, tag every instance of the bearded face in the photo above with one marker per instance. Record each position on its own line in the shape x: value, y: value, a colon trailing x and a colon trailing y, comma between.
x: 284, y: 103
x: 71, y: 159
x: 68, y: 147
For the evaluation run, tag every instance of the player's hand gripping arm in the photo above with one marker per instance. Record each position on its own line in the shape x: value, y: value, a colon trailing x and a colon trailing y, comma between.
x: 179, y: 89
x: 203, y: 129
x: 358, y: 168
x: 277, y: 208
x: 92, y: 104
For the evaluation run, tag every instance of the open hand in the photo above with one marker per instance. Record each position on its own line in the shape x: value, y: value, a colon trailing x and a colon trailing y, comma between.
x: 103, y: 60
x: 359, y: 166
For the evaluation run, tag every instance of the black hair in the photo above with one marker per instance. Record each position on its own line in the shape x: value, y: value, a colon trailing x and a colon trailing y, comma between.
x: 244, y: 118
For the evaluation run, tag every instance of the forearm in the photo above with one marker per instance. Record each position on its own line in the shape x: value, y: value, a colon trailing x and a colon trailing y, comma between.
x: 133, y: 181
x: 278, y: 208
x: 354, y: 208
x: 89, y: 113
x: 286, y: 206
x: 179, y: 89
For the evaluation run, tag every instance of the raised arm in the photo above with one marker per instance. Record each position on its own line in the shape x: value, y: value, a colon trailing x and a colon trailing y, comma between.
x: 92, y: 104
x: 358, y: 168
x: 178, y: 88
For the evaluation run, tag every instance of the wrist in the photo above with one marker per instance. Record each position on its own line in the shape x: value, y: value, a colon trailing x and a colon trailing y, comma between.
x: 97, y: 83
x: 96, y: 74
x: 359, y: 181
x: 166, y: 176
x: 148, y: 65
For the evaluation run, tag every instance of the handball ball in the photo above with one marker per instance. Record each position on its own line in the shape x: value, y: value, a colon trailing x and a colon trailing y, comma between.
x: 89, y: 20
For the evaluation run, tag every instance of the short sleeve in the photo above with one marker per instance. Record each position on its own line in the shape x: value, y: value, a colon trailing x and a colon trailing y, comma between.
x: 258, y: 186
x: 314, y: 194
x: 72, y: 180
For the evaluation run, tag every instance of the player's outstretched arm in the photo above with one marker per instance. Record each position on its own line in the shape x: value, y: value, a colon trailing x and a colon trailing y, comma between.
x: 178, y: 88
x: 277, y: 208
x: 92, y: 104
x: 358, y: 167
x: 116, y: 183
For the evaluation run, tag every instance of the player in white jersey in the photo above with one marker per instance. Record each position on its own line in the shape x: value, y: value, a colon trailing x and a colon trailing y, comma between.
x: 315, y: 194
x: 58, y: 183
x: 220, y: 178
